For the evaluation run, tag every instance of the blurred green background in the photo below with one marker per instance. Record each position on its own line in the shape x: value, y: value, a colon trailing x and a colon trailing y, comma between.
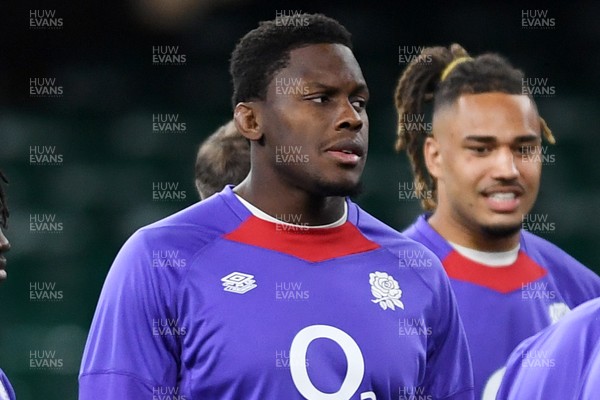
x: 100, y: 190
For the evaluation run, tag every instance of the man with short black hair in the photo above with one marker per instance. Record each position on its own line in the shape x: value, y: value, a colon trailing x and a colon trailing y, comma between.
x: 281, y: 288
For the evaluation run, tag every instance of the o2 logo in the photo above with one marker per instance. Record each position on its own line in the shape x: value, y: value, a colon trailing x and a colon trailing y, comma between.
x: 354, y: 358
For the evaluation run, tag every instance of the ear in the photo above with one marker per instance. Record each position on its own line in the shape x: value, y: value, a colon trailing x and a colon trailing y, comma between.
x: 433, y: 157
x: 246, y: 117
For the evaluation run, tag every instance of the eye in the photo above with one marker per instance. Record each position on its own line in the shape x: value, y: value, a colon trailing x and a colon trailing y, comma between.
x: 359, y: 104
x: 319, y: 99
x: 480, y: 150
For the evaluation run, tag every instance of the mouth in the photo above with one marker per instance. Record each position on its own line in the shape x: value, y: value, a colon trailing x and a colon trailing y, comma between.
x: 2, y: 268
x: 347, y: 152
x: 505, y: 199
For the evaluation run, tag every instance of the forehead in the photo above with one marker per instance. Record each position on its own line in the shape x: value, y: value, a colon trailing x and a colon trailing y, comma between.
x: 329, y: 64
x: 493, y: 114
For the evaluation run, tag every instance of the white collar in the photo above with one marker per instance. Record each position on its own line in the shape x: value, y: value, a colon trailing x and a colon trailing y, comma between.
x: 266, y: 217
x: 488, y: 258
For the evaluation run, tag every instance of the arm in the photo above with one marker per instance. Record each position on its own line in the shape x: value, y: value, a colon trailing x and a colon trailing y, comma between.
x: 124, y: 356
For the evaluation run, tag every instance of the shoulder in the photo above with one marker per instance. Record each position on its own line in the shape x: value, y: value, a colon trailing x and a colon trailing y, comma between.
x: 552, y: 257
x: 411, y: 254
x: 537, y: 247
x: 211, y: 217
x: 194, y: 226
x: 382, y: 233
x: 561, y: 265
x: 574, y: 281
x: 585, y: 319
x: 167, y: 249
x: 582, y: 324
x: 558, y: 339
x: 572, y: 340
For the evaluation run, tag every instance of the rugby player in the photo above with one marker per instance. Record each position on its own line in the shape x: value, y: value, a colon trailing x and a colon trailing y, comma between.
x: 227, y: 300
x: 478, y: 174
x: 560, y: 362
x: 6, y: 390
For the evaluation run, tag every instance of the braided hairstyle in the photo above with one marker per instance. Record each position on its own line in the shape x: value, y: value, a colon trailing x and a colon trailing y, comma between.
x: 443, y: 75
x: 3, y: 206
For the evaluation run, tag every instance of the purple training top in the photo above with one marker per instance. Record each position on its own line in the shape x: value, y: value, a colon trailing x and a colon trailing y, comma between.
x: 215, y: 303
x: 561, y: 362
x: 502, y: 306
x: 6, y: 390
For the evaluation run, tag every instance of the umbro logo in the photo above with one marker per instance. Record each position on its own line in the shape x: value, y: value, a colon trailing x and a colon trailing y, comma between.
x: 238, y: 282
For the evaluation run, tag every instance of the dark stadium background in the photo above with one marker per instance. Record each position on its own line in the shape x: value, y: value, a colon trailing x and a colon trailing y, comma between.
x: 102, y: 126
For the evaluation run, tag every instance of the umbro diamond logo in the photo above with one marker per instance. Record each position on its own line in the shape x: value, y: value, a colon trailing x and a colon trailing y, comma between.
x: 238, y: 282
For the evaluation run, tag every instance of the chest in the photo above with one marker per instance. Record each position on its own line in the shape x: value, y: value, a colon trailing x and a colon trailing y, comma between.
x: 274, y: 325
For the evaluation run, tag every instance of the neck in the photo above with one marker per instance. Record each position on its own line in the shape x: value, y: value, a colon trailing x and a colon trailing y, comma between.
x: 472, y: 237
x: 276, y: 200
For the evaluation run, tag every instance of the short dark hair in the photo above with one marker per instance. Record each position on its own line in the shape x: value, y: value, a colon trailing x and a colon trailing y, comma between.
x: 262, y: 52
x: 223, y: 158
x: 3, y: 205
x: 443, y: 75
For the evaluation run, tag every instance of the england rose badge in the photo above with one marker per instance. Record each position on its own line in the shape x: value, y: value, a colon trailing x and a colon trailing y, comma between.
x: 386, y: 290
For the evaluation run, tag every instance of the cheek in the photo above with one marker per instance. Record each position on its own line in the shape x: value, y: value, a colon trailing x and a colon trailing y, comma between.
x: 279, y: 131
x: 462, y: 173
x: 365, y: 130
x: 531, y: 174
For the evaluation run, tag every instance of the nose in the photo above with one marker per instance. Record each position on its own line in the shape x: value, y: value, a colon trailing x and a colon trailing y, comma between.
x: 4, y: 243
x: 349, y: 118
x: 505, y: 167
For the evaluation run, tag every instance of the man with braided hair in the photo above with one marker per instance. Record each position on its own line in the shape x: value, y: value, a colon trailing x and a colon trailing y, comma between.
x: 477, y: 182
x: 6, y: 390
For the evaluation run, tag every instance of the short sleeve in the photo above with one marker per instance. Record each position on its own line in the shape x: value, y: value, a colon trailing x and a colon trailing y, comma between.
x: 125, y: 354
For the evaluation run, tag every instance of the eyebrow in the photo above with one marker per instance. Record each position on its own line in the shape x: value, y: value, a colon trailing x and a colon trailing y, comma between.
x: 361, y: 87
x: 492, y: 139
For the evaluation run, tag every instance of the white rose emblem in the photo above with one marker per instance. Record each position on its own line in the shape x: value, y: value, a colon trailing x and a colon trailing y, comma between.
x: 386, y: 291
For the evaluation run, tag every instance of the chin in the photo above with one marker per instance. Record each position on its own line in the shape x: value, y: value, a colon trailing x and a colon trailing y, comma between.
x: 501, y: 230
x: 341, y: 189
